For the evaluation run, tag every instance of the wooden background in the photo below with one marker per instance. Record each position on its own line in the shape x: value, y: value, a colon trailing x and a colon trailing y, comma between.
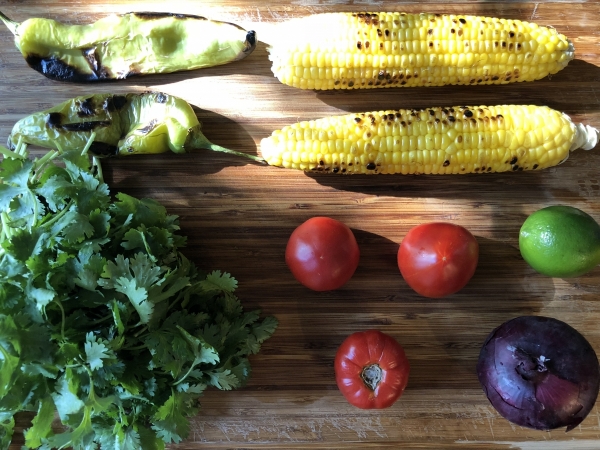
x: 239, y: 215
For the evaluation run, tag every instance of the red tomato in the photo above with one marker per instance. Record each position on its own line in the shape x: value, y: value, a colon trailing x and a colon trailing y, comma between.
x: 371, y: 369
x: 322, y: 253
x: 438, y: 259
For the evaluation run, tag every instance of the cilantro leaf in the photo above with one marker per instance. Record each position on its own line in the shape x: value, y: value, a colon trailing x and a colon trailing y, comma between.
x: 7, y: 427
x: 169, y: 423
x: 133, y: 278
x: 223, y: 379
x: 55, y: 192
x: 217, y: 281
x: 78, y: 229
x: 95, y: 352
x: 66, y: 397
x: 42, y: 423
x: 15, y: 176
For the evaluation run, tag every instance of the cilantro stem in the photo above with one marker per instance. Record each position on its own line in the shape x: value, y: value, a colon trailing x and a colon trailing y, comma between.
x: 59, y: 215
x: 137, y: 347
x: 21, y: 148
x: 99, y: 174
x: 98, y: 321
x: 88, y: 144
x: 169, y: 293
x: 10, y: 154
x: 40, y: 163
x: 143, y: 330
x: 62, y: 325
x: 194, y: 364
x: 6, y: 231
x: 4, y: 352
x: 34, y: 219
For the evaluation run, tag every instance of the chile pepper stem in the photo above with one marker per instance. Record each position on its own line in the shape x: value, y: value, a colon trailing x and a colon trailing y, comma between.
x: 198, y: 140
x: 10, y: 24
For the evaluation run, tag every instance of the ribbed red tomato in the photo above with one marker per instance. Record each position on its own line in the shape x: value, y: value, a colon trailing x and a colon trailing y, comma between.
x: 371, y: 369
x: 438, y: 259
x: 322, y: 253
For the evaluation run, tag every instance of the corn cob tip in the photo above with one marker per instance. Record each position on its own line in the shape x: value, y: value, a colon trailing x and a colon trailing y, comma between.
x: 586, y: 137
x: 268, y: 151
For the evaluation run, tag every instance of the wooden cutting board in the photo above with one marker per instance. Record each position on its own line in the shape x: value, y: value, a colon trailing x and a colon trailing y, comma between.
x: 239, y: 215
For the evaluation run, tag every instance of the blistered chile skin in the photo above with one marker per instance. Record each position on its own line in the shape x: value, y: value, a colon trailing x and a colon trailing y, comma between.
x: 539, y: 372
x: 120, y: 46
x: 150, y: 122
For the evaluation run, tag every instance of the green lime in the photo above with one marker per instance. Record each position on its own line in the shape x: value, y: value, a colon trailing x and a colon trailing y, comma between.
x: 560, y: 241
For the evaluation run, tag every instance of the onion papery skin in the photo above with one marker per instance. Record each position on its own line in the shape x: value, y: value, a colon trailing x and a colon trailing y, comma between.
x: 539, y: 372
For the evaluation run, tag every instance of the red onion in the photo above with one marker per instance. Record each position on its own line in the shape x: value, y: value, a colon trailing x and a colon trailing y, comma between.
x: 539, y: 373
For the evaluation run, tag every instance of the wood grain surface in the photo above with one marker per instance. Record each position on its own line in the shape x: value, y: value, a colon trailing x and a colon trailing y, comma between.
x: 239, y: 215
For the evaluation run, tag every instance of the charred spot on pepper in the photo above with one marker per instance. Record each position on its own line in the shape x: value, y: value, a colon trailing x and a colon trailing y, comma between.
x: 149, y: 127
x: 151, y: 15
x: 86, y: 126
x: 57, y: 69
x: 131, y: 73
x: 250, y: 40
x: 103, y: 149
x: 161, y: 98
x: 114, y: 103
x: 54, y: 120
x: 86, y: 108
x: 90, y: 56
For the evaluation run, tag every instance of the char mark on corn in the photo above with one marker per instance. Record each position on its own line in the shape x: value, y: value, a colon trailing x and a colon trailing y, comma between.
x: 453, y: 140
x: 374, y: 50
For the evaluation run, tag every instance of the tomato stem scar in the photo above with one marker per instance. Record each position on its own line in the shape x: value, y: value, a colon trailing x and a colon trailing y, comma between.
x: 371, y: 375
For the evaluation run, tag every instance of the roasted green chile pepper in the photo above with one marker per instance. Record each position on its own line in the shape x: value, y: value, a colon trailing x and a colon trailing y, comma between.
x: 119, y: 46
x: 130, y: 124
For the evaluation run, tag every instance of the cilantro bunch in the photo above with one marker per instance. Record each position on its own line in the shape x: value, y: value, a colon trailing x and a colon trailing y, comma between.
x: 104, y: 324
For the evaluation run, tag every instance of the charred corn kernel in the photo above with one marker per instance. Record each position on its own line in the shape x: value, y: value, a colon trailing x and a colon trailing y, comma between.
x: 373, y: 50
x: 464, y: 139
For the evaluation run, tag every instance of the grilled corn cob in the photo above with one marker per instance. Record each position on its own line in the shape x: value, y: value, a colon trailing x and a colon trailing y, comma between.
x: 455, y: 140
x: 373, y: 50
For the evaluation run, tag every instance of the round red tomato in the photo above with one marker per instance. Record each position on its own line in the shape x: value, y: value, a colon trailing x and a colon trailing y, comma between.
x: 371, y: 369
x: 322, y: 253
x: 438, y: 259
